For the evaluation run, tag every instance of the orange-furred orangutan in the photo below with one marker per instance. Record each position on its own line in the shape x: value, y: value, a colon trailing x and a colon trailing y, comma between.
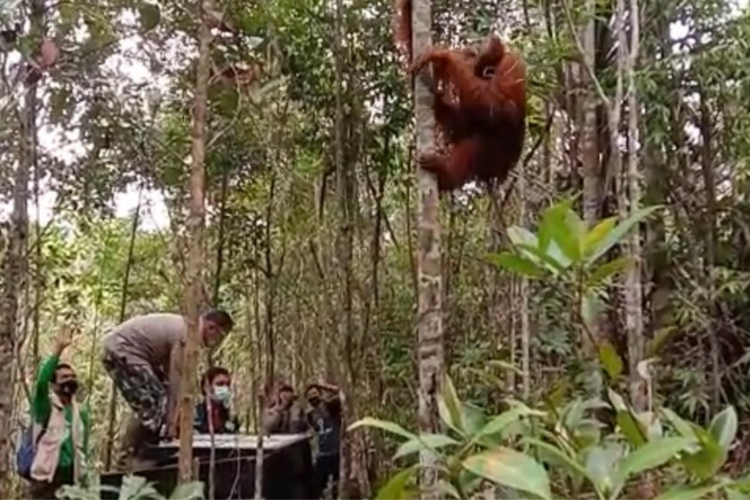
x: 483, y: 119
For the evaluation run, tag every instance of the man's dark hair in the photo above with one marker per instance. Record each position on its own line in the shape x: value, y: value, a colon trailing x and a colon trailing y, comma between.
x: 310, y: 387
x: 211, y: 374
x: 61, y: 366
x: 286, y: 388
x: 221, y: 318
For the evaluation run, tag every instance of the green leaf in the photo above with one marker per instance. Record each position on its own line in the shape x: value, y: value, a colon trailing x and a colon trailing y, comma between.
x: 511, y: 468
x: 597, y: 234
x: 605, y: 271
x: 571, y: 462
x: 653, y: 454
x: 723, y: 428
x: 601, y: 461
x: 682, y: 426
x: 733, y: 494
x: 614, y: 236
x: 610, y: 360
x: 500, y: 422
x: 534, y: 254
x: 709, y: 458
x: 631, y: 429
x: 447, y: 489
x: 150, y: 15
x: 449, y: 406
x: 188, y: 491
x: 553, y: 220
x: 690, y: 492
x: 575, y: 236
x: 385, y: 425
x: 136, y: 487
x: 516, y: 264
x: 522, y: 236
x: 424, y: 441
x: 394, y: 488
x: 591, y: 306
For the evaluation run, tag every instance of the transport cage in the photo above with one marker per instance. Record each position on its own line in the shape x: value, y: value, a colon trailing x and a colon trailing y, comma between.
x: 287, y: 466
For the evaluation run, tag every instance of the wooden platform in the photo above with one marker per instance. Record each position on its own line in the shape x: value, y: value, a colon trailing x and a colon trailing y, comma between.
x: 287, y: 466
x: 243, y: 442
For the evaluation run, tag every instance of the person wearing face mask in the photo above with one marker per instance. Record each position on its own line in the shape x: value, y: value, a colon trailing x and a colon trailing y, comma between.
x: 212, y: 414
x: 61, y: 427
x: 144, y: 357
x: 325, y: 419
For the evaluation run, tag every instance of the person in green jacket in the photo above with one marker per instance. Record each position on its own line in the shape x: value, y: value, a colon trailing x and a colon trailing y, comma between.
x: 63, y: 428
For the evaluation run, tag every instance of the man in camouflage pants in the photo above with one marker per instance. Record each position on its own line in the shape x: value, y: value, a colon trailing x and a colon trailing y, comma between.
x: 144, y: 355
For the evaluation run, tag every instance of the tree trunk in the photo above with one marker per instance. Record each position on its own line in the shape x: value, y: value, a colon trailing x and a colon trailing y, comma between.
x: 707, y: 164
x: 195, y: 223
x: 430, y: 308
x: 344, y: 251
x: 632, y: 244
x: 589, y: 149
x: 15, y: 267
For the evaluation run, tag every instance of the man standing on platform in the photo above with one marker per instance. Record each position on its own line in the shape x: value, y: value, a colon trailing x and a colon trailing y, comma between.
x: 144, y: 357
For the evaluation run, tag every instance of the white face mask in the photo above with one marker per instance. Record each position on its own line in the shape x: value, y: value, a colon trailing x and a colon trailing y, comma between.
x: 222, y: 394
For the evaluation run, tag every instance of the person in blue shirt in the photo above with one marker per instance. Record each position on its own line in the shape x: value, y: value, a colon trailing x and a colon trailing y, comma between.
x: 213, y: 410
x: 325, y: 419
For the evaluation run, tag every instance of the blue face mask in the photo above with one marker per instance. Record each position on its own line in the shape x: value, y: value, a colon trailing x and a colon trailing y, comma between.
x: 222, y: 394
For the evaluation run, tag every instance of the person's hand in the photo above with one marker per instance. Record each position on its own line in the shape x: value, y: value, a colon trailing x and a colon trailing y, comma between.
x: 64, y: 339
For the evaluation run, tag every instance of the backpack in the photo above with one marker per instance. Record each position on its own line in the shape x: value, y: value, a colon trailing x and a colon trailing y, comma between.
x: 27, y: 451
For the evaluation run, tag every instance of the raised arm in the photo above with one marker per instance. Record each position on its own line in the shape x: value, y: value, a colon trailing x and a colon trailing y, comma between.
x: 41, y: 406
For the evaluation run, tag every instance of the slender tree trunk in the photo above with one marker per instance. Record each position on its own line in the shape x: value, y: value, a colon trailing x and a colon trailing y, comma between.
x: 15, y: 267
x: 344, y: 252
x: 589, y: 145
x: 523, y: 295
x: 710, y: 258
x: 195, y: 223
x: 430, y: 351
x: 633, y: 287
x: 112, y: 410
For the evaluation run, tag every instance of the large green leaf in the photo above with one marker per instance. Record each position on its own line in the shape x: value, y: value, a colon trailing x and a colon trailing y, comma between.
x: 685, y: 428
x: 424, y: 442
x: 571, y: 462
x: 522, y: 236
x: 653, y: 454
x: 188, y: 491
x: 541, y: 258
x: 690, y: 492
x: 137, y: 488
x: 500, y: 422
x: 553, y: 220
x: 447, y: 490
x: 449, y: 406
x: 631, y: 428
x: 601, y: 466
x: 572, y: 241
x: 709, y: 458
x: 605, y: 271
x: 511, y: 468
x: 396, y: 485
x: 723, y: 427
x: 615, y: 235
x: 597, y: 234
x: 385, y: 425
x: 516, y: 264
